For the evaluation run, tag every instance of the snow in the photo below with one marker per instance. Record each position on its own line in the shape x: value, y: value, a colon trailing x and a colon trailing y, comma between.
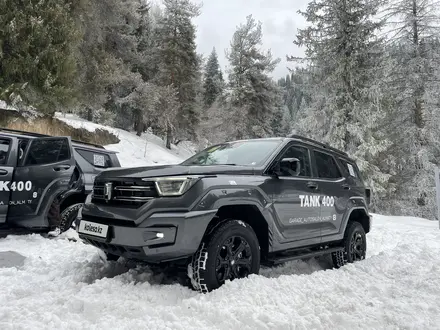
x: 133, y: 150
x: 66, y: 285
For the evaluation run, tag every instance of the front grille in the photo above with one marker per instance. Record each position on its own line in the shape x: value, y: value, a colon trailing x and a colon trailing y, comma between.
x: 132, y: 193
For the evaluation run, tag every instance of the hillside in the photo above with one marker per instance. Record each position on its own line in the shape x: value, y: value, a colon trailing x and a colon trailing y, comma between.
x: 133, y: 150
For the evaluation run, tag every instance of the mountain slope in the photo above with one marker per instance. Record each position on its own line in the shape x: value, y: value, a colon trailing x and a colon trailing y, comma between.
x: 134, y: 150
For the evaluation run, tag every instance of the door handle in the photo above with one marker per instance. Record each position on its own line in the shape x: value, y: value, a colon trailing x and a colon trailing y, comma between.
x: 312, y: 185
x: 61, y: 168
x: 346, y: 186
x: 3, y: 172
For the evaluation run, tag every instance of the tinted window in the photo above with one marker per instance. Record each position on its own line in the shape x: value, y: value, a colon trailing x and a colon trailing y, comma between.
x: 245, y: 153
x: 48, y: 151
x: 349, y: 168
x: 96, y: 158
x: 303, y: 155
x: 4, y: 150
x: 326, y: 166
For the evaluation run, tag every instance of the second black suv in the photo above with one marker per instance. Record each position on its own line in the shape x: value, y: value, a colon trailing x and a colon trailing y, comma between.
x: 44, y: 180
x: 232, y: 207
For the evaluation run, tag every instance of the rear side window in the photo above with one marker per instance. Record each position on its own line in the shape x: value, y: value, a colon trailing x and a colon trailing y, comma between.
x: 4, y: 150
x: 326, y: 166
x: 350, y: 168
x: 48, y: 151
x: 96, y: 158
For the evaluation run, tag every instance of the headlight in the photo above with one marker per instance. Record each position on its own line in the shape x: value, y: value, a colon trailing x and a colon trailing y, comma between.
x: 173, y: 185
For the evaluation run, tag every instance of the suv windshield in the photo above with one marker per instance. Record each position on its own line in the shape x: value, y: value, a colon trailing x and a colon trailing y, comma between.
x: 244, y: 153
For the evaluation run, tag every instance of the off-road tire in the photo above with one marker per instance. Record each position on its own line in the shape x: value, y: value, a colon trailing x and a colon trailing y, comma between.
x: 111, y: 257
x: 68, y: 216
x: 343, y: 257
x: 202, y: 268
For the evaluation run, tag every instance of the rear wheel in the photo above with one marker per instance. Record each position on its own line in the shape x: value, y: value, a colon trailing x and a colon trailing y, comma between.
x: 68, y: 216
x: 232, y: 251
x: 355, y: 246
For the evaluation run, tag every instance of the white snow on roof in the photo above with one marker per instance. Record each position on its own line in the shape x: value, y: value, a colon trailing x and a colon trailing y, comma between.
x: 65, y: 285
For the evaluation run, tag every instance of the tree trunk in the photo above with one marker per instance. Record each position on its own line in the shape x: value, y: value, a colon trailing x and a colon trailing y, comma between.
x: 169, y: 137
x: 138, y: 122
x: 89, y: 114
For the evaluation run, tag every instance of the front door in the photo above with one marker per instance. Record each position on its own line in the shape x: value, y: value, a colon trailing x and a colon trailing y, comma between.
x: 8, y: 160
x: 295, y: 198
x: 44, y: 172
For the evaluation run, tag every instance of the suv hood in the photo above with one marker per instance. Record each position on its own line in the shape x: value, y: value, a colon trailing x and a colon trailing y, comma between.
x: 174, y: 170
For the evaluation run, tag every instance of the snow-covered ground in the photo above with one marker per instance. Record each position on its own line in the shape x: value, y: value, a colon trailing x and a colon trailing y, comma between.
x: 133, y: 150
x: 66, y: 285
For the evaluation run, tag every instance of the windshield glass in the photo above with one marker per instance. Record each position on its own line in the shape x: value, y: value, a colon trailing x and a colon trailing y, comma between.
x: 243, y: 153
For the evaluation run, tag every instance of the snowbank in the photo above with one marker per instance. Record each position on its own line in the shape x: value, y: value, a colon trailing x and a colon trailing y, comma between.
x: 133, y: 150
x: 65, y: 285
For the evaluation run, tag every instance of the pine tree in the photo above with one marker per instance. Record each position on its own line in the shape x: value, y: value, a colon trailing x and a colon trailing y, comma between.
x: 179, y: 61
x: 37, y: 40
x: 213, y: 80
x: 414, y: 53
x: 345, y: 57
x: 253, y: 91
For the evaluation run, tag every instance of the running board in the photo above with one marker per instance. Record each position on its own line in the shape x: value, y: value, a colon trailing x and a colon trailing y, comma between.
x: 318, y: 253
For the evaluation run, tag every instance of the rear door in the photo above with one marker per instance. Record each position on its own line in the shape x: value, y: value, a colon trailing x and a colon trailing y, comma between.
x: 8, y: 160
x: 334, y: 192
x: 44, y: 172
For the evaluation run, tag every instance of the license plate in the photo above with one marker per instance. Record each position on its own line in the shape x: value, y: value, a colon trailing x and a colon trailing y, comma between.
x: 94, y: 229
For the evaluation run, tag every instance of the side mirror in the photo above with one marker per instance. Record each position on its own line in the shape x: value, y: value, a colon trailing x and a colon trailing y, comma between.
x: 292, y: 165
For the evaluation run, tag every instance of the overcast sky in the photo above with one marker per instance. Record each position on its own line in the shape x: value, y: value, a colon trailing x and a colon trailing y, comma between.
x: 220, y: 18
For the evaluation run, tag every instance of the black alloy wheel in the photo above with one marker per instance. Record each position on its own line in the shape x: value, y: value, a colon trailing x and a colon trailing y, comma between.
x: 234, y: 259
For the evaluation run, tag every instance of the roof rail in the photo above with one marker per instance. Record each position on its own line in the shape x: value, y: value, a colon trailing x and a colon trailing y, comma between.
x: 46, y: 135
x: 323, y: 145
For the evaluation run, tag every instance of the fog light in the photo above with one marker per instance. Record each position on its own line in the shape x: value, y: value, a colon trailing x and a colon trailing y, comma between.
x: 159, y: 235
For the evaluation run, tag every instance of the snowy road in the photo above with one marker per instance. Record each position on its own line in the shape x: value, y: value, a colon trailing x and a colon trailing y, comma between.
x: 65, y: 285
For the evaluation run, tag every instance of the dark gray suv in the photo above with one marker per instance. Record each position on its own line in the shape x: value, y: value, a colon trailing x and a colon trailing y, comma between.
x: 44, y: 180
x: 232, y: 207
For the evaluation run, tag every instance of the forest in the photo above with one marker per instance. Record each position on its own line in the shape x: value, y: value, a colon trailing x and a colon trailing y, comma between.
x: 369, y: 83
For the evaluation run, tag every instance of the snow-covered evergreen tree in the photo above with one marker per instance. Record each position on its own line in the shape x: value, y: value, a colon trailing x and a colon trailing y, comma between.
x: 253, y: 92
x: 213, y: 83
x: 414, y: 29
x: 179, y: 61
x: 347, y: 105
x: 37, y: 42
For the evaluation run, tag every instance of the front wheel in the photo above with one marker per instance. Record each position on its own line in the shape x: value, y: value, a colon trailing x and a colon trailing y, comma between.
x: 355, y: 246
x: 232, y: 251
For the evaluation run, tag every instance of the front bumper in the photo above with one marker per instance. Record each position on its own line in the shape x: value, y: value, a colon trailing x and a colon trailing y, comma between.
x: 163, y: 237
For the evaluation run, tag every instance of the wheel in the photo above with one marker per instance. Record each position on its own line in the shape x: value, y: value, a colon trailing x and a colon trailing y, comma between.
x: 68, y: 216
x: 53, y: 216
x: 355, y: 246
x: 232, y: 251
x: 111, y: 257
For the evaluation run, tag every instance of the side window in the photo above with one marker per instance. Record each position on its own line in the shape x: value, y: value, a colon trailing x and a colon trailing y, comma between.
x: 4, y: 150
x: 326, y: 166
x: 303, y: 155
x: 96, y: 158
x: 349, y: 168
x: 47, y: 151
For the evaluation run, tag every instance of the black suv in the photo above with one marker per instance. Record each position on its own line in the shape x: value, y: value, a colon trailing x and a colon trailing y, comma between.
x: 232, y: 207
x: 44, y: 180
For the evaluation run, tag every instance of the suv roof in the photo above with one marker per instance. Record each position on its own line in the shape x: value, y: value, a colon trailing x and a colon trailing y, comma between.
x: 32, y: 135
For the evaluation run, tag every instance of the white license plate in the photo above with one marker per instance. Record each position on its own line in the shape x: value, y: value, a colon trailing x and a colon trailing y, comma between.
x: 94, y: 229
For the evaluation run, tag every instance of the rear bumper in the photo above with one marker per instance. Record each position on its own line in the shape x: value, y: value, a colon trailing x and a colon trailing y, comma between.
x: 163, y: 237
